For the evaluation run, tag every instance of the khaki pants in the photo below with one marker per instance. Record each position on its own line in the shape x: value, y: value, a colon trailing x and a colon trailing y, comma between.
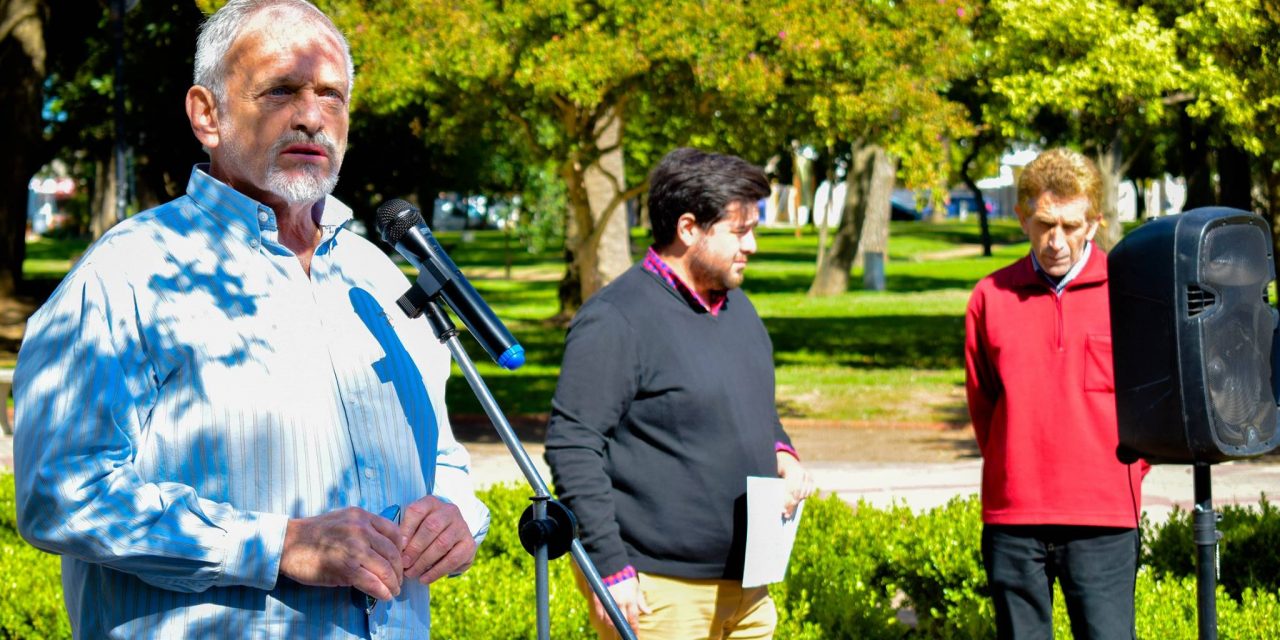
x: 688, y: 609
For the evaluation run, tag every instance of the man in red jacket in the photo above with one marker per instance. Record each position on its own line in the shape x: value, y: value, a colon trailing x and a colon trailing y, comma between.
x: 1056, y: 502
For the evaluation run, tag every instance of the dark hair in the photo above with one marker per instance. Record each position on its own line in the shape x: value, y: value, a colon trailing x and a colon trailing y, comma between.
x: 704, y: 184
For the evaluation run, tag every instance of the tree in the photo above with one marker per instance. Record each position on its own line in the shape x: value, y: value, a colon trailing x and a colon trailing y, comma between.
x: 979, y: 154
x: 1094, y: 73
x: 23, y: 57
x: 1235, y: 48
x: 871, y: 74
x: 548, y: 80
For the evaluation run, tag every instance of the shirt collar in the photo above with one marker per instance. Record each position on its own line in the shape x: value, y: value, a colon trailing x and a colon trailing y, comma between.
x: 221, y: 200
x: 656, y: 265
x: 1061, y: 285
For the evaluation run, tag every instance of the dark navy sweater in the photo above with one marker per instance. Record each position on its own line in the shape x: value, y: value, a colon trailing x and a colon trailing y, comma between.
x: 661, y: 412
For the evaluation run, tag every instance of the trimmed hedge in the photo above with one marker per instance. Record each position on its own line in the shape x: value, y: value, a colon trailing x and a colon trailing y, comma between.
x: 30, y: 580
x: 930, y: 565
x: 1249, y: 551
x: 856, y: 572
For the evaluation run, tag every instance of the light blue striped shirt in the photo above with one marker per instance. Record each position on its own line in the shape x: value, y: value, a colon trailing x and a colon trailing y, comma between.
x: 188, y: 389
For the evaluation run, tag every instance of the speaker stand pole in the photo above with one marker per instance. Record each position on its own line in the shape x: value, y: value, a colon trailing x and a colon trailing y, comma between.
x: 1205, y: 531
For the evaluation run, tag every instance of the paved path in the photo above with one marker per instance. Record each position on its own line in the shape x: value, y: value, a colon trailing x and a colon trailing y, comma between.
x: 927, y: 485
x: 920, y: 485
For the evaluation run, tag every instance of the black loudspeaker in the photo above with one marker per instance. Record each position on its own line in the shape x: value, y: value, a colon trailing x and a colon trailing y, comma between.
x: 1193, y: 338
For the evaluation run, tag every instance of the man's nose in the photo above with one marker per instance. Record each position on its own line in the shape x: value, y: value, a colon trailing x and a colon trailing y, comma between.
x: 1056, y: 238
x: 307, y: 115
x: 748, y: 245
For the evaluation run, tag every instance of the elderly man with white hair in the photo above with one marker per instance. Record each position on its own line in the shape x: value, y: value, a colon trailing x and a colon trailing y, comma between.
x: 225, y: 426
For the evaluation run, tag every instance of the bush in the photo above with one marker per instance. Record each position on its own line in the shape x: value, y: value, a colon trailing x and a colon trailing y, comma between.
x: 929, y: 565
x: 1249, y: 551
x: 30, y: 580
x: 855, y: 572
x: 495, y: 598
x: 939, y: 568
x: 836, y: 581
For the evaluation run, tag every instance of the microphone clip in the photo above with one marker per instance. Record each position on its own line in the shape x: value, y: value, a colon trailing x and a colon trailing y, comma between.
x: 423, y: 295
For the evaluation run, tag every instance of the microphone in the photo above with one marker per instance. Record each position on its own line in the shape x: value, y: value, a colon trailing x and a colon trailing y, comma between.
x: 400, y: 225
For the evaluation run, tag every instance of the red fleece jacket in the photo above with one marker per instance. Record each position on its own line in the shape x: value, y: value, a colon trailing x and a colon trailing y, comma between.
x: 1042, y: 398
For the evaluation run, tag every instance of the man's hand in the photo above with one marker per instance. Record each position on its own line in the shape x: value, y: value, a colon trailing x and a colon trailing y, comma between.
x: 347, y: 547
x: 630, y: 602
x: 799, y: 482
x: 438, y: 541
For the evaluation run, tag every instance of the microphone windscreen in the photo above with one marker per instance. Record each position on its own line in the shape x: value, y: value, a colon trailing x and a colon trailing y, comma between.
x: 395, y: 217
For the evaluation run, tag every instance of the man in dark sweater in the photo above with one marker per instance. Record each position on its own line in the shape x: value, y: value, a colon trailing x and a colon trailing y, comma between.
x: 665, y: 406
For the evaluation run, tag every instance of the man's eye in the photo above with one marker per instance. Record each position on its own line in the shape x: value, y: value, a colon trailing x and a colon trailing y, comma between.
x: 279, y: 91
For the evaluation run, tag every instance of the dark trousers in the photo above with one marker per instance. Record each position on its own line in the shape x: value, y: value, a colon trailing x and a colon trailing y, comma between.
x: 1097, y: 566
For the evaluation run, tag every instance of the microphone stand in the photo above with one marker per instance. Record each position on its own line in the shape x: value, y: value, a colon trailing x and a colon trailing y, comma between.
x: 1205, y: 532
x: 547, y: 528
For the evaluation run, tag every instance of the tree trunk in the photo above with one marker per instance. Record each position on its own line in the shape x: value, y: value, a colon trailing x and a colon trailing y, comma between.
x: 1140, y: 190
x: 1194, y: 156
x: 22, y: 56
x: 102, y: 212
x: 874, y: 244
x: 1235, y: 184
x: 597, y: 244
x: 579, y: 258
x: 864, y: 224
x: 1111, y: 165
x: 981, y: 202
x: 604, y: 180
x: 825, y: 214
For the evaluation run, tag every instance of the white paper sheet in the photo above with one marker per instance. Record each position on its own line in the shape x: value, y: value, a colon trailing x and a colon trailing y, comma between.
x: 769, y: 535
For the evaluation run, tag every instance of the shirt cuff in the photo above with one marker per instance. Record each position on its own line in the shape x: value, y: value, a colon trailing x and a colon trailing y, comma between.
x: 627, y: 573
x: 254, y: 561
x: 786, y: 448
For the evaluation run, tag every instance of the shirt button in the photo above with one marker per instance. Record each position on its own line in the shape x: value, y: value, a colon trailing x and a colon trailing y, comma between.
x: 368, y: 473
x: 253, y: 243
x: 262, y: 216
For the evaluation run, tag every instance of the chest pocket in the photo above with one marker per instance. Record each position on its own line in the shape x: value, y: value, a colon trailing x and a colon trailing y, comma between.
x: 1098, y: 370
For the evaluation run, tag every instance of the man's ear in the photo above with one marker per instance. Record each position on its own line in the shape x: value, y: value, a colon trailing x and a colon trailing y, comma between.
x: 687, y: 230
x: 202, y: 111
x: 1023, y: 216
x: 1092, y: 228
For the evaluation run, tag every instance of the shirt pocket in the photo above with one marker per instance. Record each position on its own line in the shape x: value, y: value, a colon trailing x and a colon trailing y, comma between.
x: 1098, y: 372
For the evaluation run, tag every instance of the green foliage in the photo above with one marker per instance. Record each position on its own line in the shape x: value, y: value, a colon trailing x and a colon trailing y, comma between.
x: 855, y: 573
x: 30, y: 580
x: 1249, y: 551
x: 939, y: 567
x: 1097, y: 59
x: 856, y: 570
x: 8, y: 509
x: 496, y: 597
x: 874, y: 73
x: 835, y: 580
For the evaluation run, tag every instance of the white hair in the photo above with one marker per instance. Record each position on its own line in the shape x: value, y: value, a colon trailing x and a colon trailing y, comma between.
x: 221, y: 29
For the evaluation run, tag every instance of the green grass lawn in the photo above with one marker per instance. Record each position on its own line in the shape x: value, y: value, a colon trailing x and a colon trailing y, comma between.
x: 892, y: 356
x: 862, y: 356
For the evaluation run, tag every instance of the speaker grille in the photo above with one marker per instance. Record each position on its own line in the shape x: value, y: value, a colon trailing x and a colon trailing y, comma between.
x: 1237, y: 335
x: 1198, y: 300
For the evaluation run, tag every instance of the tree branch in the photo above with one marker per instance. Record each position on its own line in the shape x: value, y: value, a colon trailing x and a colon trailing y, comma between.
x: 12, y: 22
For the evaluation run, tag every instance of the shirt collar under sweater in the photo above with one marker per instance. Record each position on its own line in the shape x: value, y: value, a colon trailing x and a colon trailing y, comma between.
x: 1075, y: 270
x: 1090, y: 270
x: 654, y: 263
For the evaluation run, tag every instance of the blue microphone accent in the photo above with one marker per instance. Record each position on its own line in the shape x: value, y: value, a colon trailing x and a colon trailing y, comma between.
x: 513, y: 358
